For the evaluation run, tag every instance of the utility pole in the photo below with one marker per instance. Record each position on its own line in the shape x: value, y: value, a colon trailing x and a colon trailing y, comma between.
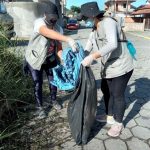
x: 64, y: 7
x: 63, y: 4
x: 127, y: 8
x: 115, y: 7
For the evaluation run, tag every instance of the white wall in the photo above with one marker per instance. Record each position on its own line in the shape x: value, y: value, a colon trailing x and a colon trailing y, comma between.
x: 24, y: 14
x: 134, y: 26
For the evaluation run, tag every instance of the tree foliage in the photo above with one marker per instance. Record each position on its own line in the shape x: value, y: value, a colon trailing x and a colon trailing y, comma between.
x: 75, y: 9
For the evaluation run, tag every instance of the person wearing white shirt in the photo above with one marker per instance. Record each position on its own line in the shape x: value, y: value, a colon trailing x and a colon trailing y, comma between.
x: 48, y: 29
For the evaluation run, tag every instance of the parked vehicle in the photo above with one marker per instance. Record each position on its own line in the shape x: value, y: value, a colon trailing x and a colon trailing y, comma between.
x: 89, y: 23
x: 6, y: 22
x: 72, y: 24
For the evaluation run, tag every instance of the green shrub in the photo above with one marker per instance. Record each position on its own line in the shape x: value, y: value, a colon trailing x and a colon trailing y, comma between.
x: 15, y: 89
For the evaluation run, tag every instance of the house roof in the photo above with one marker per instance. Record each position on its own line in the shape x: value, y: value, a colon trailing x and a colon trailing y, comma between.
x: 142, y: 10
x: 110, y: 1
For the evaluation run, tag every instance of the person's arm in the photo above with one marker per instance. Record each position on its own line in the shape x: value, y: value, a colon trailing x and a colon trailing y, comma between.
x: 110, y: 28
x: 112, y: 43
x: 50, y: 33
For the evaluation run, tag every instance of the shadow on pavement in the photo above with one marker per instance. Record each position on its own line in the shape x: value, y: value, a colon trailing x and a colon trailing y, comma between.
x: 137, y: 98
x: 95, y: 129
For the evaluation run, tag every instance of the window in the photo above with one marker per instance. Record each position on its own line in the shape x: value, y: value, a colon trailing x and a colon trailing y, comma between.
x: 72, y: 21
x: 124, y: 5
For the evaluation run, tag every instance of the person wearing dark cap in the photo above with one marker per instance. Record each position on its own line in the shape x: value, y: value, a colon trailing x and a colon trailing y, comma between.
x: 42, y: 52
x: 116, y: 65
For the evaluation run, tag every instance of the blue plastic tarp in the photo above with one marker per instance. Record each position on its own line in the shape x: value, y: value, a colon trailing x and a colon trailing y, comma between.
x: 65, y: 76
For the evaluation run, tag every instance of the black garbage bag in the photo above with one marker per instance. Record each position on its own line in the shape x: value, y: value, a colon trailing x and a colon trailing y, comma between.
x: 82, y: 106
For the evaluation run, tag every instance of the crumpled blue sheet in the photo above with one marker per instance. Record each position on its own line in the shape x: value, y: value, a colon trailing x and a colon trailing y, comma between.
x: 65, y: 77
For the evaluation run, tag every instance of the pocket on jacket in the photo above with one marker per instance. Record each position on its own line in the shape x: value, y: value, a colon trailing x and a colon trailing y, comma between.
x: 34, y: 53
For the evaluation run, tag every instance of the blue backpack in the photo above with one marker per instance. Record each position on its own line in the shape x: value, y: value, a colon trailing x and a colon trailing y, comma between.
x: 131, y: 49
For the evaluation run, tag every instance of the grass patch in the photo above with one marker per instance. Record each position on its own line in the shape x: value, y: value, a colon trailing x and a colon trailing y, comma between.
x: 16, y: 91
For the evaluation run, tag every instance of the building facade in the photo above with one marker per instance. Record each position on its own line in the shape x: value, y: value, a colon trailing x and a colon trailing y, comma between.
x: 144, y: 13
x: 25, y: 12
x: 120, y: 7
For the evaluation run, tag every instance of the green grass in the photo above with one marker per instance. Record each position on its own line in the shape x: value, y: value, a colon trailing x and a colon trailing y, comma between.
x: 16, y: 91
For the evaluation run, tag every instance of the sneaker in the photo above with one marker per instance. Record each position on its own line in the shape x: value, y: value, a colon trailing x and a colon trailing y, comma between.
x: 40, y: 113
x: 111, y: 120
x: 55, y: 104
x: 115, y: 129
x: 105, y: 118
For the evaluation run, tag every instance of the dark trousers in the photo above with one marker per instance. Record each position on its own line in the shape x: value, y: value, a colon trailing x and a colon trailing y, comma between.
x: 114, y: 98
x: 37, y: 76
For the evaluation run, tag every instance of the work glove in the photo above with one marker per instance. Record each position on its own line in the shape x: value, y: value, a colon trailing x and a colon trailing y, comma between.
x: 87, y: 61
x: 26, y: 70
x: 74, y: 45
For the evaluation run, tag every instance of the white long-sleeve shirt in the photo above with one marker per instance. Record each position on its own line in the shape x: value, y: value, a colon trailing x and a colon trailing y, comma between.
x: 116, y: 59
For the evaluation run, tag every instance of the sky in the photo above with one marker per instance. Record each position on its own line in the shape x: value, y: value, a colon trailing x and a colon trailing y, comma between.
x: 100, y: 3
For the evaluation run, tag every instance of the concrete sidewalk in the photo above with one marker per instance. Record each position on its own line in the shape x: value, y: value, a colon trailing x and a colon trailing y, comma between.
x: 53, y: 133
x: 136, y: 135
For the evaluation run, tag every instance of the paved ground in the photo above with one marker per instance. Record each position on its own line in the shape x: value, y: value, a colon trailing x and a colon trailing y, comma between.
x: 53, y: 133
x: 136, y: 135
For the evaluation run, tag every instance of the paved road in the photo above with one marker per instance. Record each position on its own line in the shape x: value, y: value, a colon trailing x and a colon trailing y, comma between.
x: 53, y: 133
x: 136, y: 135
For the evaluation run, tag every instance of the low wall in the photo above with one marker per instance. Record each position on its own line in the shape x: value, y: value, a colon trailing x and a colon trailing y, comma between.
x: 24, y: 15
x: 134, y: 19
x: 134, y: 26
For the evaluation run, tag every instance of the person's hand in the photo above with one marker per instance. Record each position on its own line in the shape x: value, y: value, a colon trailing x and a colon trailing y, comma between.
x: 87, y: 61
x: 74, y: 45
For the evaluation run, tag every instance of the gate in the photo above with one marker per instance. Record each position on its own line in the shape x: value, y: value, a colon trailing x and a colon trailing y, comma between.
x: 147, y: 23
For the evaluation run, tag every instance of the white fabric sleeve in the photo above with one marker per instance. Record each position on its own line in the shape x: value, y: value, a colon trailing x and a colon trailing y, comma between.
x: 37, y: 24
x: 89, y: 43
x: 110, y: 28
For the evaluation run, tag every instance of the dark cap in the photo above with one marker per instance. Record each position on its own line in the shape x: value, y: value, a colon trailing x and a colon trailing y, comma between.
x: 51, y: 10
x: 90, y: 9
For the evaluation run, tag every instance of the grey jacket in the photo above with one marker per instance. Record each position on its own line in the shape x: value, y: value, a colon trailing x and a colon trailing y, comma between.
x: 36, y: 51
x: 116, y: 60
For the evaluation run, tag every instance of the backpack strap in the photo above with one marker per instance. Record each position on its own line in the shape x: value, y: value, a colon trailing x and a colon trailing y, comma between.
x: 124, y: 36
